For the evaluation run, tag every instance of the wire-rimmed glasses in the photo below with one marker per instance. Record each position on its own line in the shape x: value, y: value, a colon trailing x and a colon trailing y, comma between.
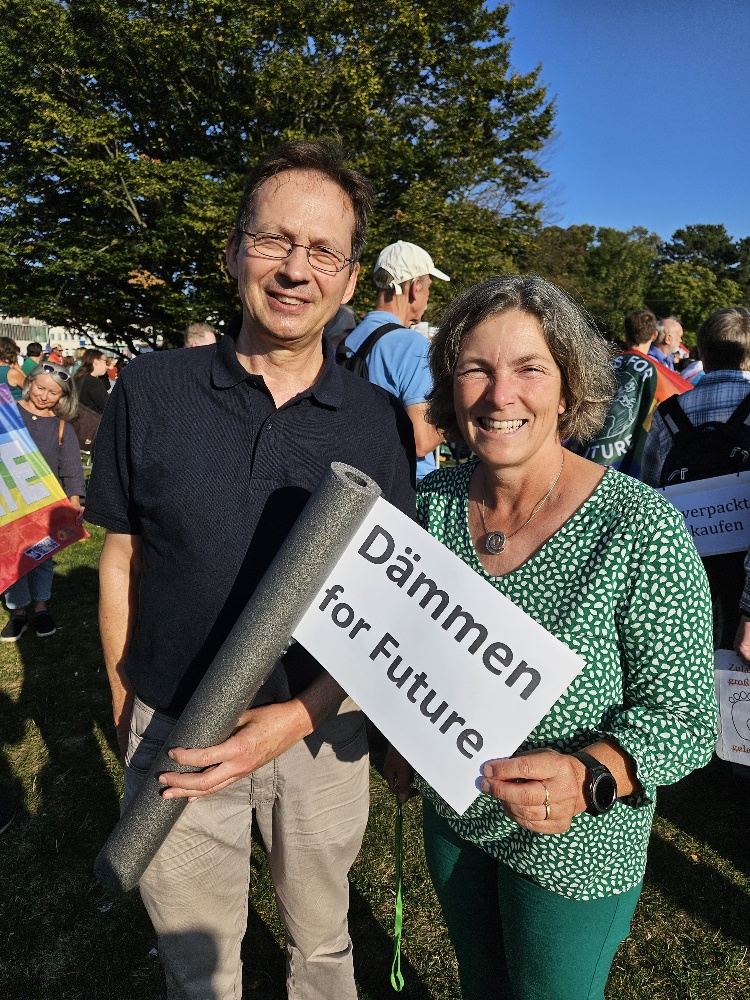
x: 321, y: 258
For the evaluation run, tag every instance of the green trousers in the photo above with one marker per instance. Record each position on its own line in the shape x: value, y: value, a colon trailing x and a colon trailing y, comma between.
x: 515, y: 940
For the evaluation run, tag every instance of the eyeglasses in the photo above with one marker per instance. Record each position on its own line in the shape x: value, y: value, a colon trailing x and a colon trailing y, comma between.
x: 51, y: 370
x: 320, y: 258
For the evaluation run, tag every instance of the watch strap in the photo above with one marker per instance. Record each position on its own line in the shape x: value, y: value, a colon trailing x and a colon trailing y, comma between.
x: 596, y: 770
x: 590, y: 762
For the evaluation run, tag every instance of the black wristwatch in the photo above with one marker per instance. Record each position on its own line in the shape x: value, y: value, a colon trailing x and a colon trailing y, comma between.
x: 601, y: 790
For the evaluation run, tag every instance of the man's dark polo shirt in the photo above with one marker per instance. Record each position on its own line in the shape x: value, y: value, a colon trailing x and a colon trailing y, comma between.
x: 193, y: 456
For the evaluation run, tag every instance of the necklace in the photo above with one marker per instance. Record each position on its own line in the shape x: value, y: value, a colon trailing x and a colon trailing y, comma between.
x: 496, y: 541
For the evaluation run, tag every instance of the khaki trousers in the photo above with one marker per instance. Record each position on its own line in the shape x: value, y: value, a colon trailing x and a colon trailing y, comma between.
x: 311, y: 805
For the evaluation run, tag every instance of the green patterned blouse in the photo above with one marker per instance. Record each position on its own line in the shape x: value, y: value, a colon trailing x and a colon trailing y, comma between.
x: 622, y: 585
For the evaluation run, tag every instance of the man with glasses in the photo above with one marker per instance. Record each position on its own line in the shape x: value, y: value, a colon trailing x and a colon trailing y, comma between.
x: 268, y: 411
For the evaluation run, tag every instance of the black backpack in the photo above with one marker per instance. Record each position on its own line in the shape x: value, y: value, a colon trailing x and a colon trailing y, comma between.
x: 712, y: 449
x: 86, y: 426
x: 356, y: 361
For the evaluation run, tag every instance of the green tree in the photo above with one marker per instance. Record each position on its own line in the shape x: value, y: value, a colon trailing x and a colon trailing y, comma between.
x: 708, y: 252
x: 710, y: 246
x: 607, y: 270
x: 128, y: 127
x: 561, y: 255
x: 691, y: 292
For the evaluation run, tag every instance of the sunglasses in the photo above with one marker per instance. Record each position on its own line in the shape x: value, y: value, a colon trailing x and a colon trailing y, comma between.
x: 51, y: 370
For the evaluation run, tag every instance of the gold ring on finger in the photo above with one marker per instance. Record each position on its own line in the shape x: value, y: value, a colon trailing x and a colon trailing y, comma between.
x: 546, y: 802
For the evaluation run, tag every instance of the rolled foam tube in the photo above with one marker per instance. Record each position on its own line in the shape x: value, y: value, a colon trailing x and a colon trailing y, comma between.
x: 260, y: 636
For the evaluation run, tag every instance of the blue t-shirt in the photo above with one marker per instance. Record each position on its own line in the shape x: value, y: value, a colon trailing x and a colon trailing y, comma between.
x: 398, y: 363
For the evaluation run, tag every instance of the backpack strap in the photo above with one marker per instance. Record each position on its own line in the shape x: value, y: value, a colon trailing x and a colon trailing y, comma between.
x: 741, y: 415
x: 367, y: 345
x: 674, y: 417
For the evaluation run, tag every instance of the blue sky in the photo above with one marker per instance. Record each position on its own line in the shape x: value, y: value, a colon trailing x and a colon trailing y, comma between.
x: 653, y: 109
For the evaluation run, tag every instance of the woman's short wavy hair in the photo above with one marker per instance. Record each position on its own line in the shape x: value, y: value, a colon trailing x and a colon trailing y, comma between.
x: 580, y: 352
x: 67, y: 407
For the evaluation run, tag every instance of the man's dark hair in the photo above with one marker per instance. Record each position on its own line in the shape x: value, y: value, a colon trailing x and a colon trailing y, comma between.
x: 34, y: 350
x: 324, y: 158
x: 724, y: 340
x: 640, y: 326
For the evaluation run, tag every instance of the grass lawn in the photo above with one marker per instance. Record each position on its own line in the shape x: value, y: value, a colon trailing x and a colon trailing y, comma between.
x: 63, y: 938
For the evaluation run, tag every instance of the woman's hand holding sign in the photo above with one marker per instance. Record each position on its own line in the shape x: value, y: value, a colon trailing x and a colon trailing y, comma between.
x: 541, y: 790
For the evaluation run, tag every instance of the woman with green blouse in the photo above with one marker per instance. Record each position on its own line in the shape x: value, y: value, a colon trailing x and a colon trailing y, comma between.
x: 539, y: 878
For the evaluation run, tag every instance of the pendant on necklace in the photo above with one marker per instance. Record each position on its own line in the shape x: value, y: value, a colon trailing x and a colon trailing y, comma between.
x: 495, y: 542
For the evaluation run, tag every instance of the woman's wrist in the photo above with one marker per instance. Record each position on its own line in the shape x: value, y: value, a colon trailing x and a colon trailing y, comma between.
x: 618, y: 762
x: 580, y: 772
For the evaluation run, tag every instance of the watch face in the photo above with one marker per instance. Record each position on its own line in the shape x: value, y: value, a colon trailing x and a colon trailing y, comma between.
x: 603, y: 792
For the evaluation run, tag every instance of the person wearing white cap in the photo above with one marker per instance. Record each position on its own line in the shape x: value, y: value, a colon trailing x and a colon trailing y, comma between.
x: 398, y: 360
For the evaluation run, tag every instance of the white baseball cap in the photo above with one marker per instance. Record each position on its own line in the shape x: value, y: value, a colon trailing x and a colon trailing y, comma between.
x: 406, y: 261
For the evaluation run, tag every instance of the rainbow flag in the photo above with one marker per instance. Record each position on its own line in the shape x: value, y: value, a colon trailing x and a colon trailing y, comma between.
x: 36, y: 518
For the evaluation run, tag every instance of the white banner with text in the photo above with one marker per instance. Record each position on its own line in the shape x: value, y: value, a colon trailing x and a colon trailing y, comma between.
x: 716, y: 512
x: 733, y: 695
x: 449, y: 670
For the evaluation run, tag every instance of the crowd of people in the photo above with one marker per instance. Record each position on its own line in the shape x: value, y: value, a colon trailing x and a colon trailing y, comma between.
x: 539, y: 878
x: 15, y: 366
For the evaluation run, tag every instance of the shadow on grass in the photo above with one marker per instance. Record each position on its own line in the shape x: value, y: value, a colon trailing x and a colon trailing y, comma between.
x: 65, y: 693
x: 11, y: 731
x: 67, y: 940
x: 712, y: 805
x: 263, y: 961
x: 373, y: 956
x: 699, y: 890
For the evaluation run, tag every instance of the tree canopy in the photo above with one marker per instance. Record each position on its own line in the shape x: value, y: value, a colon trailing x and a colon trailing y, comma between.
x: 127, y: 128
x: 701, y: 269
x: 611, y: 272
x: 607, y: 270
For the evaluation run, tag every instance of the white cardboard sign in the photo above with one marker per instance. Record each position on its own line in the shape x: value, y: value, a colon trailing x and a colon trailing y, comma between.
x: 449, y: 670
x: 733, y: 694
x: 716, y: 512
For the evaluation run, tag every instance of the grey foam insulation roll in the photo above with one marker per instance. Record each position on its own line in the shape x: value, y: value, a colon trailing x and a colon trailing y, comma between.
x: 260, y: 636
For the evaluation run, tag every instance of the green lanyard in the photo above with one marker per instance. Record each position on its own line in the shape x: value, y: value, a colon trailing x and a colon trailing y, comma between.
x: 397, y: 980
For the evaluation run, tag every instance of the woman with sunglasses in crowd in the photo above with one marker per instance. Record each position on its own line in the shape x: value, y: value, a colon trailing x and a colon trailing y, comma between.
x: 49, y: 400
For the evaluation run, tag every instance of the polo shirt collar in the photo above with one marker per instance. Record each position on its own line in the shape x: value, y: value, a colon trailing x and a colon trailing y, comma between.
x: 226, y: 371
x: 328, y: 390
